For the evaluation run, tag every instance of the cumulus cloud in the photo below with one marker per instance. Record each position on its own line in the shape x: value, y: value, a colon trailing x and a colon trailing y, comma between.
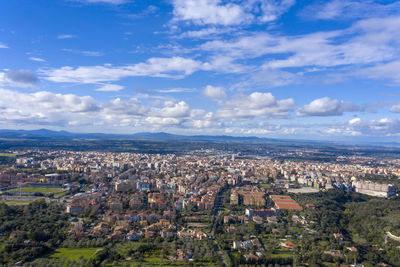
x: 381, y: 127
x: 18, y: 78
x: 214, y: 92
x: 46, y: 108
x: 171, y: 109
x: 160, y: 121
x: 243, y: 115
x: 255, y: 105
x: 131, y: 108
x: 326, y: 107
x: 22, y: 76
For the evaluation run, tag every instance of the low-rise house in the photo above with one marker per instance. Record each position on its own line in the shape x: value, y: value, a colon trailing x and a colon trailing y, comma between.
x: 133, y: 235
x: 231, y: 229
x: 272, y: 219
x: 166, y: 232
x: 287, y: 244
x: 257, y: 219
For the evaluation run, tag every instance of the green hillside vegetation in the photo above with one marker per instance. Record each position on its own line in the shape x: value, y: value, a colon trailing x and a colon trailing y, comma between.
x: 31, y: 231
x: 75, y: 253
x: 363, y: 222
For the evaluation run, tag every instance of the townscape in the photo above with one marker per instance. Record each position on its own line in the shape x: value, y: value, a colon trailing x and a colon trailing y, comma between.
x: 205, y: 207
x: 227, y: 133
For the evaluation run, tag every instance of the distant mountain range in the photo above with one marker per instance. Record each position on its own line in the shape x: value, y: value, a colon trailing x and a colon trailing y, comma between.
x: 49, y: 135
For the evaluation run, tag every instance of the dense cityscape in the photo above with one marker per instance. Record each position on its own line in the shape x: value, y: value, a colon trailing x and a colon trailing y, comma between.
x: 200, y: 133
x: 204, y: 207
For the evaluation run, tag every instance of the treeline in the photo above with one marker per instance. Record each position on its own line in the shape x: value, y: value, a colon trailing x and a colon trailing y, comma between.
x: 362, y: 221
x: 31, y: 231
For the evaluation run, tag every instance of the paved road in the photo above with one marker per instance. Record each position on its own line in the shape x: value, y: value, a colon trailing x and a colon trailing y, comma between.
x: 217, y: 208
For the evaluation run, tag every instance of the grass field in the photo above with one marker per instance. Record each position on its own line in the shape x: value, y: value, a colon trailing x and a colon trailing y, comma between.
x: 74, y: 253
x: 15, y: 202
x: 43, y: 190
x: 60, y: 194
x: 11, y: 155
x: 265, y: 185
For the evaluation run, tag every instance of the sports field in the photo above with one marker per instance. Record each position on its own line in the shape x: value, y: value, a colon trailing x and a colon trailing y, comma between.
x: 43, y: 190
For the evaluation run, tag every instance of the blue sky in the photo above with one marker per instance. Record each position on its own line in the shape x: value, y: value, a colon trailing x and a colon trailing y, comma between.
x: 271, y: 68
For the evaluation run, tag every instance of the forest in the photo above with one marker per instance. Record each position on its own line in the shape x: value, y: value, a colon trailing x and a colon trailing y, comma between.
x: 31, y: 231
x: 361, y: 220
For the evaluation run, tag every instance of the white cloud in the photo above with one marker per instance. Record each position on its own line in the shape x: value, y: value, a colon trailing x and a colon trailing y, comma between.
x: 202, y: 124
x: 37, y: 59
x: 366, y: 42
x: 3, y: 45
x: 350, y: 9
x: 255, y: 105
x: 64, y: 110
x: 66, y: 36
x: 387, y: 71
x: 78, y: 112
x: 44, y: 107
x: 110, y: 88
x: 218, y: 12
x: 225, y: 64
x: 175, y: 90
x: 84, y: 52
x: 205, y: 33
x: 112, y: 2
x: 209, y: 12
x: 175, y: 67
x: 268, y: 79
x: 160, y: 121
x: 382, y: 127
x: 171, y: 109
x: 253, y: 45
x: 326, y: 107
x: 118, y: 108
x: 395, y: 108
x: 214, y: 92
x: 271, y: 10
